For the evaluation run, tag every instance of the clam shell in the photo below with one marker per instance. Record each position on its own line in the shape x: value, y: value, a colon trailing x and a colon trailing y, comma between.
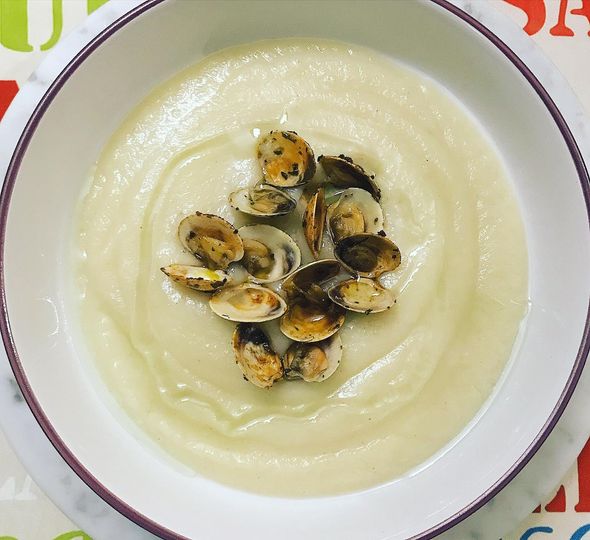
x: 342, y: 171
x: 247, y: 302
x: 354, y: 212
x: 269, y: 253
x: 313, y: 362
x: 310, y: 320
x: 286, y: 159
x: 314, y: 219
x: 362, y: 295
x: 262, y: 200
x: 211, y: 239
x: 259, y: 363
x: 368, y: 255
x: 196, y: 277
x: 302, y: 281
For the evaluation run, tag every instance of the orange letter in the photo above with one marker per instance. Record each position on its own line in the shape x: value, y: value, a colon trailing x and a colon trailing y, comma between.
x: 584, y: 11
x: 535, y: 12
x: 561, y: 29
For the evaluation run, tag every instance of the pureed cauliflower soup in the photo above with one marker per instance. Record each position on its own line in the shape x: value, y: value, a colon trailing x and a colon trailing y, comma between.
x: 410, y: 378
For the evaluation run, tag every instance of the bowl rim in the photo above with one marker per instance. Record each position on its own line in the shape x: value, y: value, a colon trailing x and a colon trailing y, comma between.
x: 13, y: 357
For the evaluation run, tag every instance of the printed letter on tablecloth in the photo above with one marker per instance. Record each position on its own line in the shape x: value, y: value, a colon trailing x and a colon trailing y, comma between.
x: 535, y: 12
x: 14, y: 25
x: 534, y: 530
x: 8, y: 90
x: 584, y: 480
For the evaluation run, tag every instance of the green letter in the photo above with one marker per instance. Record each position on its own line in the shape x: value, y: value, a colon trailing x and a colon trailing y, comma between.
x: 73, y: 535
x: 57, y: 25
x: 93, y: 5
x: 14, y: 28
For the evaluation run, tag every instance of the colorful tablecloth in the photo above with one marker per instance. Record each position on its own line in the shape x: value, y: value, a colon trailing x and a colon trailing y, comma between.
x: 29, y: 28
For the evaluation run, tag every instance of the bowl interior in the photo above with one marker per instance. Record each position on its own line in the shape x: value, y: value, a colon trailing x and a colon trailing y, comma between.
x: 54, y: 170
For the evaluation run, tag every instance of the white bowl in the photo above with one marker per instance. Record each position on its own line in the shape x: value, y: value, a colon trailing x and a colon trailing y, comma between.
x: 48, y: 170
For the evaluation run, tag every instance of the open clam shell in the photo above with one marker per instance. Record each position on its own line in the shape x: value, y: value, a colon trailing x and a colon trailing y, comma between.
x: 286, y: 159
x: 247, y: 302
x: 362, y: 295
x: 196, y: 277
x: 262, y: 200
x: 269, y: 253
x: 368, y: 255
x: 313, y: 362
x: 354, y: 212
x: 312, y: 319
x: 342, y: 171
x: 211, y: 239
x: 309, y: 277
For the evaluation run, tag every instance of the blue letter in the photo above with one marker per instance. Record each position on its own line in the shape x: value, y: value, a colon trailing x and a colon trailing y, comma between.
x: 581, y: 532
x: 528, y: 534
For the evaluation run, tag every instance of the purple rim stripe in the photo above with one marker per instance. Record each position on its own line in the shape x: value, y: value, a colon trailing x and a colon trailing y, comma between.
x: 85, y: 475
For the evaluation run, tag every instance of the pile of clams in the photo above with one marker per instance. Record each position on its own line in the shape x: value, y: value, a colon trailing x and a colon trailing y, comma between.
x: 310, y: 301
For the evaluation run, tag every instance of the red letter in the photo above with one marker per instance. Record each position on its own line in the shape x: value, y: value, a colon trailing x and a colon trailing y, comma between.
x: 584, y: 11
x: 535, y: 12
x: 584, y: 480
x: 8, y: 90
x: 558, y: 502
x: 561, y: 29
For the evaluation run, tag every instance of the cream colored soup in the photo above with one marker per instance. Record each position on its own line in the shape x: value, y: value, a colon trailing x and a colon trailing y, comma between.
x: 412, y: 378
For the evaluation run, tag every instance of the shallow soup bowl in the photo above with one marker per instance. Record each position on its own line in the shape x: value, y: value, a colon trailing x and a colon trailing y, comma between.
x: 49, y: 171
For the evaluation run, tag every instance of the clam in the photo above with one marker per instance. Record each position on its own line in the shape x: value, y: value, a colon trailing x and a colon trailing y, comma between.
x: 269, y: 253
x: 312, y: 319
x: 354, y: 212
x: 368, y: 255
x: 196, y: 277
x: 259, y: 363
x: 362, y: 295
x: 211, y: 239
x: 342, y: 171
x: 314, y: 219
x: 286, y: 159
x: 247, y: 302
x: 307, y: 279
x: 262, y: 200
x: 313, y: 362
